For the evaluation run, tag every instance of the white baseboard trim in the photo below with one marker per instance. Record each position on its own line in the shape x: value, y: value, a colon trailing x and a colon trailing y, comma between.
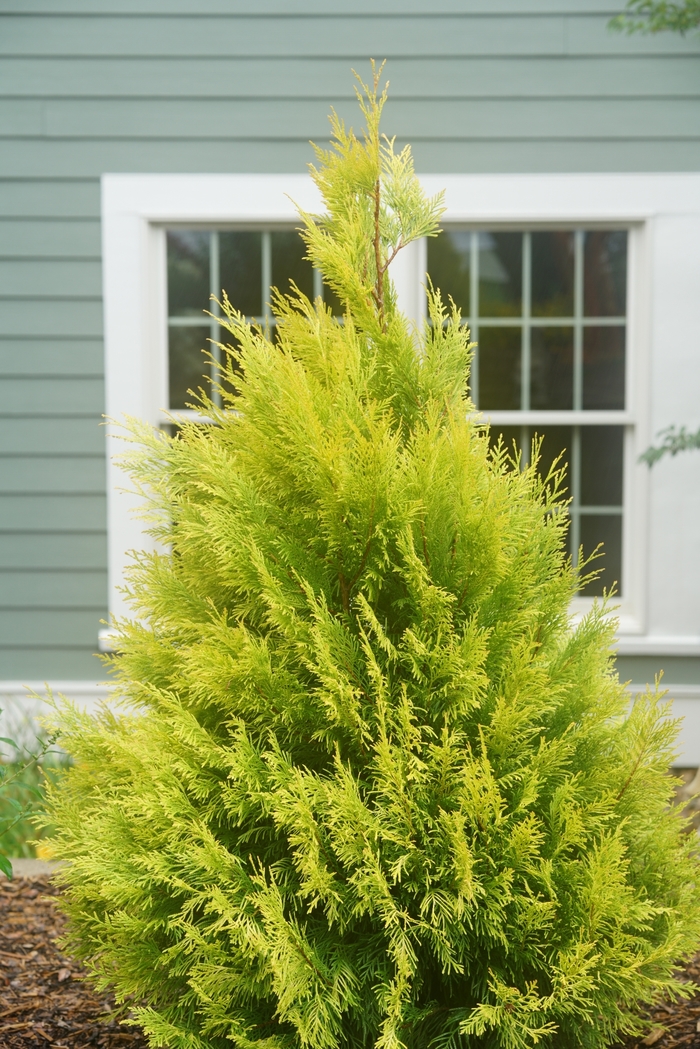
x: 19, y: 709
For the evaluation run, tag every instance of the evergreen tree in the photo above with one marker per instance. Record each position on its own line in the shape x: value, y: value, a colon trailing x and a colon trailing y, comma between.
x: 374, y: 790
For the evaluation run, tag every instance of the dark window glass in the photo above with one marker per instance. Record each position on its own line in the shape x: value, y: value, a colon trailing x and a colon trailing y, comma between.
x: 188, y: 366
x: 552, y: 274
x: 605, y: 273
x: 500, y: 274
x: 601, y: 466
x: 556, y: 445
x: 188, y: 272
x: 449, y: 266
x: 604, y: 367
x: 289, y: 264
x: 605, y: 529
x: 240, y: 270
x: 552, y: 368
x: 499, y: 367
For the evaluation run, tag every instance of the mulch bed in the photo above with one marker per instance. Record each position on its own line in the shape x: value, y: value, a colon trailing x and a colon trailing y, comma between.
x: 45, y: 1001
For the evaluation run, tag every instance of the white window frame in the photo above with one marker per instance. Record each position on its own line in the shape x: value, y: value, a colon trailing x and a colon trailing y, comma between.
x: 661, y: 212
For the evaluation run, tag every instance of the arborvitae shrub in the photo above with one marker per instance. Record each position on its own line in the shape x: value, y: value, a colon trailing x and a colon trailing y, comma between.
x: 375, y: 789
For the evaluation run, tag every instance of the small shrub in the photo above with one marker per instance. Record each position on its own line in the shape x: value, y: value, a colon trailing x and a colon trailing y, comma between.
x: 375, y: 789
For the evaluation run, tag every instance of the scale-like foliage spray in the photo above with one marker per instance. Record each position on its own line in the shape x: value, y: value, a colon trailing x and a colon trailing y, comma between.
x: 375, y: 790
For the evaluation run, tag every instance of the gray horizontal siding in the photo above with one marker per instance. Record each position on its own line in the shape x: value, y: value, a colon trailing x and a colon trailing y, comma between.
x: 328, y: 35
x: 63, y: 513
x: 51, y: 357
x: 436, y: 155
x: 53, y: 589
x: 172, y: 119
x: 51, y: 436
x: 57, y: 238
x: 46, y: 663
x: 59, y: 474
x: 53, y: 550
x: 359, y: 8
x: 243, y: 78
x: 74, y: 316
x: 89, y: 86
x: 49, y: 199
x: 39, y: 627
x: 74, y: 278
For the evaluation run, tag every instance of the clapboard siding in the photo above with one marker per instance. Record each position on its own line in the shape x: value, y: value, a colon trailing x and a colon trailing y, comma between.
x: 338, y: 35
x: 68, y: 395
x: 52, y: 588
x: 243, y: 78
x: 226, y: 120
x: 41, y: 627
x: 52, y: 550
x: 50, y: 357
x: 432, y: 155
x: 31, y: 474
x: 63, y: 512
x: 46, y: 237
x: 19, y: 278
x: 90, y: 86
x: 42, y: 435
x: 48, y: 199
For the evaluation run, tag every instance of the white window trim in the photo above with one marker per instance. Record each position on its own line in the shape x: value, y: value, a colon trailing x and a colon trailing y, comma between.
x: 137, y: 208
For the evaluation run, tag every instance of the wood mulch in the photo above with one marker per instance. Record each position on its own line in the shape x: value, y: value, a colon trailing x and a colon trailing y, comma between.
x: 44, y: 999
x: 46, y: 1002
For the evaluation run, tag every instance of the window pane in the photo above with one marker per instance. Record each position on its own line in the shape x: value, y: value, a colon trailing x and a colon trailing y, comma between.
x: 604, y: 367
x: 188, y: 272
x: 449, y: 266
x: 288, y: 263
x: 601, y: 465
x: 240, y: 269
x: 187, y: 365
x: 552, y: 274
x: 605, y: 529
x: 499, y: 367
x: 556, y: 441
x: 500, y: 274
x: 552, y: 368
x: 605, y: 273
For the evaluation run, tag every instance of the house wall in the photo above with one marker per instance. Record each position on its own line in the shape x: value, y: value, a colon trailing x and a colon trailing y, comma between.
x: 90, y: 86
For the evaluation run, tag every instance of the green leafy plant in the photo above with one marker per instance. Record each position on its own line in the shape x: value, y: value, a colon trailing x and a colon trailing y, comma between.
x: 374, y: 788
x: 656, y: 16
x: 673, y: 441
x: 21, y: 799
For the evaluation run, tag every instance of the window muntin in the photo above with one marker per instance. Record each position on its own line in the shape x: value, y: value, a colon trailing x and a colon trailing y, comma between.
x: 547, y: 309
x: 248, y: 264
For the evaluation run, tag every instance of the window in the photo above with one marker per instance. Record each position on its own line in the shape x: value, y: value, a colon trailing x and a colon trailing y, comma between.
x: 659, y: 365
x: 548, y: 311
x: 248, y: 264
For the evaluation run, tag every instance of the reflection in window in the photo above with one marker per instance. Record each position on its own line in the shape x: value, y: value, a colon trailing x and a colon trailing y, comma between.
x: 552, y: 274
x: 500, y: 274
x: 500, y: 376
x: 605, y: 273
x: 603, y: 367
x: 552, y: 368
